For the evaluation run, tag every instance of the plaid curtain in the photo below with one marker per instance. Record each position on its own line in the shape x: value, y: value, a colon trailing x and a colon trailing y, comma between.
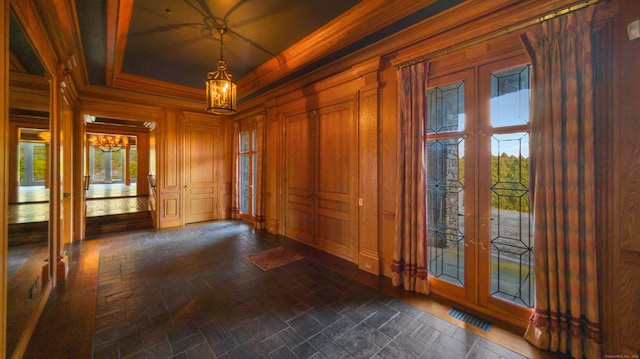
x: 565, y: 317
x: 409, y: 267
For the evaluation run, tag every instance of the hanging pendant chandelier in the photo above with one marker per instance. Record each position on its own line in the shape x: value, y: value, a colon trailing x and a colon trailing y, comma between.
x: 221, y: 91
x: 108, y: 143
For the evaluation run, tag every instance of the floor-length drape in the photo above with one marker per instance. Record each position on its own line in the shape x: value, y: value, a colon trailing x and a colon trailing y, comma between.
x: 409, y: 267
x: 235, y: 171
x: 259, y: 217
x: 565, y: 317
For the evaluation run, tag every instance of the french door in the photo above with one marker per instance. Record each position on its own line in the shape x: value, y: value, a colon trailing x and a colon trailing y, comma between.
x: 478, y: 218
x: 248, y: 162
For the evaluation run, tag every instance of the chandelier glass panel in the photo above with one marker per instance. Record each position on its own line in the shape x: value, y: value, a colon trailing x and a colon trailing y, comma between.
x: 220, y: 90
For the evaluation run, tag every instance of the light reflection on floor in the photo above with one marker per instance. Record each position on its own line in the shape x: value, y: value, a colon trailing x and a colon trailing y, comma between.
x: 102, y: 199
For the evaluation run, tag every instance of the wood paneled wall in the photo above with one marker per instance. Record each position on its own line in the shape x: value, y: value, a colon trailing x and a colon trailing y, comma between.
x: 304, y: 195
x: 620, y: 219
x: 464, y: 28
x: 369, y: 77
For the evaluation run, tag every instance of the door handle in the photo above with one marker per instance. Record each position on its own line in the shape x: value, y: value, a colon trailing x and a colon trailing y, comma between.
x: 65, y: 195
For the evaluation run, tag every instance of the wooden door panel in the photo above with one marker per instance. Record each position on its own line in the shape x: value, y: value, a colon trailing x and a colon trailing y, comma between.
x: 299, y: 222
x: 200, y: 181
x: 337, y: 180
x: 335, y: 229
x: 201, y: 206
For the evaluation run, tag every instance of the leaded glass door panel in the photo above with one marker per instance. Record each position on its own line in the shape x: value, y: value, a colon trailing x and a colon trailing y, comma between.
x: 505, y: 232
x: 449, y: 130
x: 480, y: 251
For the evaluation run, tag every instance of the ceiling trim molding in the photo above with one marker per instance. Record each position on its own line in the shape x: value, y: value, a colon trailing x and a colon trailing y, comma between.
x: 338, y: 33
x: 152, y: 86
x: 94, y: 93
x: 110, y: 39
x: 360, y: 21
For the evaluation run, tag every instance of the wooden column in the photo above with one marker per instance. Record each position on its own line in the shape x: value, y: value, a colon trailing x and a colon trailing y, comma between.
x: 125, y: 167
x: 168, y: 180
x: 4, y: 122
x: 368, y: 218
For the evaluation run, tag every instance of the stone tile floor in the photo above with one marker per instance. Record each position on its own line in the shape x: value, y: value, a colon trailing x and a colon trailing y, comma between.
x: 191, y: 293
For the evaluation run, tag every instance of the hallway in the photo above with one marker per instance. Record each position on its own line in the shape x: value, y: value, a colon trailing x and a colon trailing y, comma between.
x: 191, y: 293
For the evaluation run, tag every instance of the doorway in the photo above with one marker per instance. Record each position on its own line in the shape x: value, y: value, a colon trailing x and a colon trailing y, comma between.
x: 478, y: 218
x: 116, y: 174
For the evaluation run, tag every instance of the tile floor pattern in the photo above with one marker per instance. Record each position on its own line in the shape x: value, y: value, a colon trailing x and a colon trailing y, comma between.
x: 190, y: 293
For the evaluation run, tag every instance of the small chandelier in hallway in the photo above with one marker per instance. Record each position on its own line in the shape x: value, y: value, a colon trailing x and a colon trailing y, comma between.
x: 221, y: 91
x: 108, y: 143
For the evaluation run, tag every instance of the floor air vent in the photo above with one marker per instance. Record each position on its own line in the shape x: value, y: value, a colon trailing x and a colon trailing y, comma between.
x: 470, y: 318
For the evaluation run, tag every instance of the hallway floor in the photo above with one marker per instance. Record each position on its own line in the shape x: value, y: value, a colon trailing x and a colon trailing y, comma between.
x: 191, y: 293
x: 102, y: 200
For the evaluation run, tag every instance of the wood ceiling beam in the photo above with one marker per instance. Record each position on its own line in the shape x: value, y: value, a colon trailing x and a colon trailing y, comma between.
x: 118, y: 19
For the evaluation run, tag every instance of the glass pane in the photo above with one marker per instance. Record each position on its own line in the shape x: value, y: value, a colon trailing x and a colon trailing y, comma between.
x: 117, y: 160
x: 254, y: 146
x: 22, y: 162
x: 39, y: 162
x: 133, y: 163
x: 98, y: 174
x: 446, y: 108
x: 445, y: 209
x: 244, y: 183
x: 511, y: 237
x: 244, y: 142
x: 510, y: 97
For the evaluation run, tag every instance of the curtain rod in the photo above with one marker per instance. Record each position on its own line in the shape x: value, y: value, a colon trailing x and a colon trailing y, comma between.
x: 499, y: 33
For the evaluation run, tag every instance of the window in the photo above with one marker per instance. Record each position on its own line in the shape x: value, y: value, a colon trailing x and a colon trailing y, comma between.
x: 33, y: 163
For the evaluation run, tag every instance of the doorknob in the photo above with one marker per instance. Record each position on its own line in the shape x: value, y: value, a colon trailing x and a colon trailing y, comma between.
x: 65, y: 195
x: 186, y: 186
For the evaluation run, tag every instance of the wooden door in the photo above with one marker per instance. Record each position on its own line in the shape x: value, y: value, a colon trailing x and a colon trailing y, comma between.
x: 300, y: 177
x: 321, y: 164
x: 337, y: 181
x: 201, y: 153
